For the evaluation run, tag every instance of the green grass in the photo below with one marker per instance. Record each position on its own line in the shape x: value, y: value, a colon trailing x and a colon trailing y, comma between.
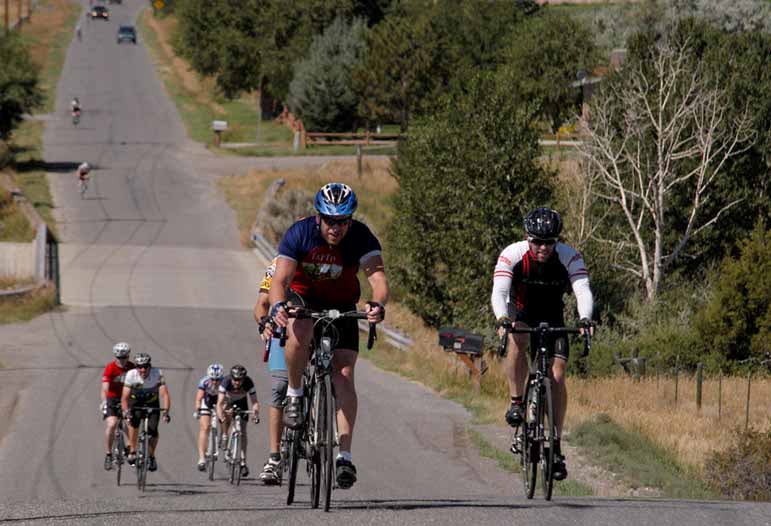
x: 30, y: 169
x: 507, y: 461
x: 24, y: 308
x: 636, y: 459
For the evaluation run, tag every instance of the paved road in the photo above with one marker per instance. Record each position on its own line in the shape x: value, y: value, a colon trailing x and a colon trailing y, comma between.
x: 151, y: 256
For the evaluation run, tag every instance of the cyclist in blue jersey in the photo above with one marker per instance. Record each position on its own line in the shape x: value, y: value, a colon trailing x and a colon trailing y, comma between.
x: 318, y: 261
x: 206, y: 406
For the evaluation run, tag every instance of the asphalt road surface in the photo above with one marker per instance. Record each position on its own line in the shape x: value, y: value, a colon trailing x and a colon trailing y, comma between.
x: 151, y: 256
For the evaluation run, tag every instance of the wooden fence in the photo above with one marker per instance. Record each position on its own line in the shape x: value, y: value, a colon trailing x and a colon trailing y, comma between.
x: 366, y: 138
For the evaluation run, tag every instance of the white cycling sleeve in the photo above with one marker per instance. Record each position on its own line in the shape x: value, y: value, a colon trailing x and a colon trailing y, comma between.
x: 584, y: 298
x: 500, y: 296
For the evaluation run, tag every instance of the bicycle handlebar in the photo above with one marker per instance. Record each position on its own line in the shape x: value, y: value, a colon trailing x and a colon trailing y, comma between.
x: 544, y: 329
x: 301, y: 313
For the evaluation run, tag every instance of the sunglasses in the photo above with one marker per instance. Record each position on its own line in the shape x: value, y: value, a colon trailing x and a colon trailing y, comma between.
x: 540, y: 242
x: 336, y: 221
x: 143, y: 366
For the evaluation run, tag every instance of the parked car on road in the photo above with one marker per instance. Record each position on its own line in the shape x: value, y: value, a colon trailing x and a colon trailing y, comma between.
x: 100, y: 11
x: 128, y: 34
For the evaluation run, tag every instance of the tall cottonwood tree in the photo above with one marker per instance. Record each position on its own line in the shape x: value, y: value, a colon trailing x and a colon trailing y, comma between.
x: 660, y: 130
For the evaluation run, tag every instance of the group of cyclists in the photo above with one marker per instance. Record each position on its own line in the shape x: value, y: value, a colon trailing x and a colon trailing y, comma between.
x: 317, y: 264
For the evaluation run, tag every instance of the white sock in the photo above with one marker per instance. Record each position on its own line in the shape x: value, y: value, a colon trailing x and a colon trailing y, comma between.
x: 290, y: 391
x: 345, y: 455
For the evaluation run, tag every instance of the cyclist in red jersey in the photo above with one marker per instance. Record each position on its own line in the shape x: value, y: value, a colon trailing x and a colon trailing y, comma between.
x: 112, y: 388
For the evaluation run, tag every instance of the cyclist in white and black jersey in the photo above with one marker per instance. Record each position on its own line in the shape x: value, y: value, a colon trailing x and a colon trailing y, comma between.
x: 144, y: 386
x: 529, y: 281
x: 233, y: 392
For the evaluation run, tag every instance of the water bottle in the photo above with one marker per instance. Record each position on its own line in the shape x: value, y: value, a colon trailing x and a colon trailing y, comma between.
x: 531, y: 408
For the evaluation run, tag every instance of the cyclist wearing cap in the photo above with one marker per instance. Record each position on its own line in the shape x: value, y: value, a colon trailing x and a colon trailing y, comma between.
x: 112, y: 388
x: 233, y: 392
x: 318, y: 261
x: 530, y: 278
x: 145, y: 387
x: 205, y: 404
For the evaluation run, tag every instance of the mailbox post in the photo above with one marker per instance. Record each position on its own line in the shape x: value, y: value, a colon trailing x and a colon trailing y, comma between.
x: 219, y: 127
x: 468, y: 348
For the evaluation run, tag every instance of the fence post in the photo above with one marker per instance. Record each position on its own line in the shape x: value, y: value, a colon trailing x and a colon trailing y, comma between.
x: 720, y: 395
x: 699, y: 379
x: 677, y: 376
x: 747, y: 408
x: 358, y: 160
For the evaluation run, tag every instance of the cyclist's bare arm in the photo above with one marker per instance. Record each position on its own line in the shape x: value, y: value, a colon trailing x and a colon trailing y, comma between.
x: 163, y: 391
x: 374, y: 269
x: 285, y: 269
x: 124, y: 399
x: 221, y: 406
x: 262, y: 307
x: 105, y: 389
x: 198, y: 399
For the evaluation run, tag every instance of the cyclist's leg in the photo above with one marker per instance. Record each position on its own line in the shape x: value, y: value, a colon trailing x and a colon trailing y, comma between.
x: 344, y: 361
x: 204, y: 423
x: 297, y: 350
x: 278, y: 386
x: 109, y: 433
x: 152, y: 430
x: 516, y: 361
x: 559, y: 387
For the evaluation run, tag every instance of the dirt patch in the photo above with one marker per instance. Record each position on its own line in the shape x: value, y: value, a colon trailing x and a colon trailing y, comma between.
x: 46, y: 20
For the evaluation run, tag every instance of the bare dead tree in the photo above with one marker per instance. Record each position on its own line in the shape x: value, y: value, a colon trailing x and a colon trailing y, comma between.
x: 663, y: 127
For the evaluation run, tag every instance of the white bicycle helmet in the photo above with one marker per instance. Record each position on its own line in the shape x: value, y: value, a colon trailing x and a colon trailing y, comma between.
x: 121, y: 350
x: 143, y: 359
x: 84, y: 167
x: 215, y: 371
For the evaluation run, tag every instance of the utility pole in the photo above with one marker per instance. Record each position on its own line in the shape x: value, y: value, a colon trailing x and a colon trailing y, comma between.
x: 7, y: 18
x: 20, y: 13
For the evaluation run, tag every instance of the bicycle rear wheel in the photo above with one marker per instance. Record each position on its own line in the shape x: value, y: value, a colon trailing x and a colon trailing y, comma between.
x: 314, y: 442
x: 546, y: 413
x: 292, y: 461
x: 529, y: 448
x: 327, y: 439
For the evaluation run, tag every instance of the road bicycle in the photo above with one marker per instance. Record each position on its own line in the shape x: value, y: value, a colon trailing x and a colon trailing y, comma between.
x: 212, y: 443
x: 76, y: 117
x: 533, y: 440
x: 235, y: 455
x: 316, y: 440
x: 143, y: 445
x: 119, y: 446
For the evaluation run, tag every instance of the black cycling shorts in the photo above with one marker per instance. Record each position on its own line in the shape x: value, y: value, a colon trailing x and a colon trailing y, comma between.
x: 113, y: 407
x: 152, y: 422
x: 347, y: 328
x: 557, y: 344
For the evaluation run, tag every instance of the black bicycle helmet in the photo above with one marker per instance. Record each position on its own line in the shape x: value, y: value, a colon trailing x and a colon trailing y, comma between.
x: 543, y: 223
x: 237, y: 372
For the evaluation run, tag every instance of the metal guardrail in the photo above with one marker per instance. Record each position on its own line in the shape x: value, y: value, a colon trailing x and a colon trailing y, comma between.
x: 393, y: 338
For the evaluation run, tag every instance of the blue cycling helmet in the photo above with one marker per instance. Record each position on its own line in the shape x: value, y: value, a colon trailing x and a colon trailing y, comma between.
x: 335, y: 199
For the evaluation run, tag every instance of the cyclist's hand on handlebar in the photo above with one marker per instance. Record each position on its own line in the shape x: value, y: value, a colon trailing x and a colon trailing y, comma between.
x: 279, y: 313
x: 166, y: 416
x: 256, y: 416
x: 585, y: 324
x: 503, y: 323
x: 375, y: 311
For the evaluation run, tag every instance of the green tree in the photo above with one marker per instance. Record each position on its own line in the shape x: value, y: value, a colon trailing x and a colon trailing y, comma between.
x: 542, y: 58
x: 467, y: 175
x: 321, y: 93
x: 20, y: 91
x: 736, y: 321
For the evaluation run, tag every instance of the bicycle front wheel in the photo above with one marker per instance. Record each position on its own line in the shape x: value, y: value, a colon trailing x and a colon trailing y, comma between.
x: 239, y: 459
x: 141, y: 461
x: 547, y: 444
x: 212, y: 451
x: 233, y: 460
x: 292, y: 459
x: 118, y: 447
x: 314, y: 442
x: 326, y: 439
x: 529, y: 446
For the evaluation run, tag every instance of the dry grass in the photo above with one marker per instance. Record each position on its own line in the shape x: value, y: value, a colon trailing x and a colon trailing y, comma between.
x: 245, y: 193
x: 13, y: 11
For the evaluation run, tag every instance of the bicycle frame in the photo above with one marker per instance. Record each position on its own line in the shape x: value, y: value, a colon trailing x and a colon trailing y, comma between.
x: 212, y: 453
x: 119, y: 447
x: 143, y: 446
x: 236, y: 453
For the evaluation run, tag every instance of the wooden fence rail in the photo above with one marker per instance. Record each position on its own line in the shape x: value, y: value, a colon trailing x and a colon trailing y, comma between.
x: 366, y: 138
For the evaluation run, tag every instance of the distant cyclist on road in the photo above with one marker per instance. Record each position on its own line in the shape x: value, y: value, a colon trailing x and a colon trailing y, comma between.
x: 319, y: 258
x: 205, y: 406
x: 112, y: 388
x: 278, y: 380
x: 530, y: 278
x: 144, y: 386
x: 233, y: 391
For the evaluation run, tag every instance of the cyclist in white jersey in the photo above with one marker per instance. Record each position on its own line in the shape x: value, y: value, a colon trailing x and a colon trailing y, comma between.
x: 530, y: 278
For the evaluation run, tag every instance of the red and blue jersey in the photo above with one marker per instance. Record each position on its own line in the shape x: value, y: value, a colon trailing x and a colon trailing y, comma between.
x: 326, y: 274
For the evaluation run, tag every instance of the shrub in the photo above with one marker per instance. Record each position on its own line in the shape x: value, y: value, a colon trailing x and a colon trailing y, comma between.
x: 284, y: 210
x: 743, y: 471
